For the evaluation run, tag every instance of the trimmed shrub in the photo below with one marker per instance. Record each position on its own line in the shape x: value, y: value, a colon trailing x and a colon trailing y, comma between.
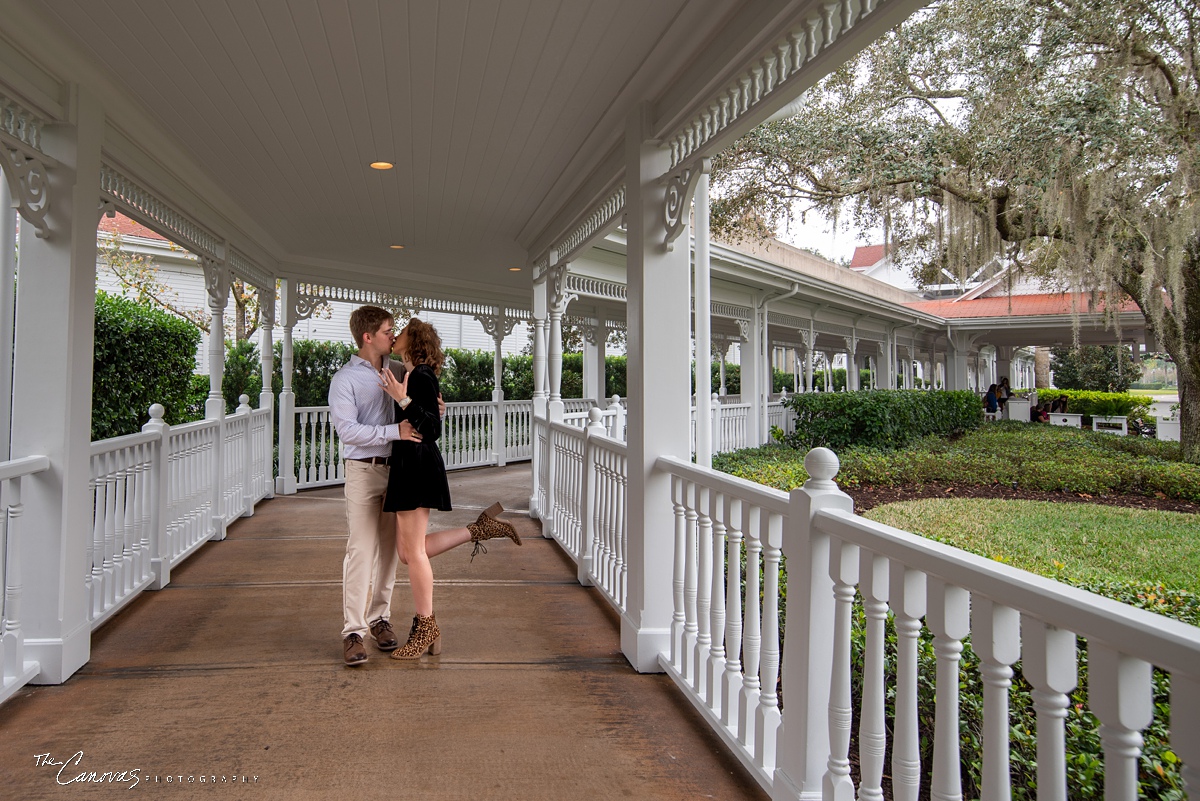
x: 1105, y: 404
x: 468, y: 375
x: 313, y: 364
x: 243, y: 374
x: 886, y: 419
x: 142, y: 356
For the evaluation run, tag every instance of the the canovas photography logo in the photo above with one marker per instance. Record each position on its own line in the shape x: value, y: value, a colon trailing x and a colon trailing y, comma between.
x: 72, y: 770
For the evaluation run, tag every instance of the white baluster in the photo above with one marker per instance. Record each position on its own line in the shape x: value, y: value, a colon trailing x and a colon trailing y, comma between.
x: 715, y: 666
x: 949, y: 618
x: 13, y: 636
x: 690, y: 626
x: 872, y: 737
x: 731, y: 682
x: 94, y: 577
x: 1049, y: 666
x: 751, y: 629
x: 110, y: 528
x: 305, y: 460
x: 120, y: 529
x: 1121, y: 696
x: 620, y: 529
x: 996, y: 637
x: 843, y: 569
x: 1185, y: 728
x: 907, y: 594
x: 768, y: 718
x: 700, y: 654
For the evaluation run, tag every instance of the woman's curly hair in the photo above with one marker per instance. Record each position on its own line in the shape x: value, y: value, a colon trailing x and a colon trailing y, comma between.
x: 424, y: 345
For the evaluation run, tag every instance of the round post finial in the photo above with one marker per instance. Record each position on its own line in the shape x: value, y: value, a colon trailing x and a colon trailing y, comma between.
x: 822, y: 465
x: 157, y: 410
x: 243, y: 403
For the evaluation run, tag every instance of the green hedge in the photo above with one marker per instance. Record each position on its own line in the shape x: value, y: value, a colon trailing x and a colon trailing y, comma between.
x: 1036, y: 457
x: 1106, y: 404
x: 885, y: 419
x: 142, y: 356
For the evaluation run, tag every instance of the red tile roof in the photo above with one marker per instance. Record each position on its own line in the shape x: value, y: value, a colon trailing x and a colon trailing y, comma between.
x: 124, y: 226
x: 1021, y: 306
x: 866, y: 256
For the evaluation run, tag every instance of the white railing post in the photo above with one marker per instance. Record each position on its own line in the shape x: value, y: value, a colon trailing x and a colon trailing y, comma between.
x: 803, y: 748
x: 1050, y: 667
x: 587, y: 499
x: 160, y: 545
x: 285, y: 484
x: 248, y: 488
x: 948, y: 618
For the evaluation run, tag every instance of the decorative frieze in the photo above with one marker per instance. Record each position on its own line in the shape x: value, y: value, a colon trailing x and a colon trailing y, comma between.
x: 20, y: 123
x: 245, y: 269
x: 322, y: 293
x: 602, y: 216
x: 778, y: 66
x: 584, y: 286
x: 170, y: 222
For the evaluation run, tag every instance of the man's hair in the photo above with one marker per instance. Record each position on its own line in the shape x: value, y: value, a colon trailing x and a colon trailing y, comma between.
x: 366, y: 320
x: 424, y: 345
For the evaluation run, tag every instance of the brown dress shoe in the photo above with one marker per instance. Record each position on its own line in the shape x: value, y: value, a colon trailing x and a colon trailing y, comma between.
x: 384, y: 636
x: 356, y: 653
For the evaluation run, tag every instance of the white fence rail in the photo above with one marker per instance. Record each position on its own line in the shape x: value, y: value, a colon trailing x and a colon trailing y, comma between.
x: 470, y: 436
x: 725, y: 647
x: 15, y: 475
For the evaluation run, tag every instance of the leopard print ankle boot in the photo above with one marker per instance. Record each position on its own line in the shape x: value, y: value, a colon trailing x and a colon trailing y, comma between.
x: 487, y: 527
x: 424, y: 636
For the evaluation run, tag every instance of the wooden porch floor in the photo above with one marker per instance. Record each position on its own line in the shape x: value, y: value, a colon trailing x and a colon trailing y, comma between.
x: 234, y: 671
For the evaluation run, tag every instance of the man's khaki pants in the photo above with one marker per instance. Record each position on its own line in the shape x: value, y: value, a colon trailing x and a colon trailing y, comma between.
x: 369, y: 570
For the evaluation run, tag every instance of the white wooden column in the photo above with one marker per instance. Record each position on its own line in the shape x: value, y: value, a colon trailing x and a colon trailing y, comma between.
x: 559, y: 300
x: 659, y: 397
x: 851, y: 363
x: 752, y: 358
x: 266, y: 324
x: 497, y: 326
x: 703, y: 290
x: 540, y: 396
x: 52, y: 393
x: 217, y: 280
x: 8, y: 272
x: 957, y: 361
x: 285, y: 482
x: 595, y: 340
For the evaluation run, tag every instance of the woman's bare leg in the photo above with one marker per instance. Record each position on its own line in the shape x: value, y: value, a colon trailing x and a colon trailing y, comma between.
x: 410, y: 543
x: 441, y: 541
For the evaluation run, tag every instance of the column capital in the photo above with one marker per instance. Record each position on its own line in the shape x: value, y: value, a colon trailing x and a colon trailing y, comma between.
x: 681, y: 187
x: 217, y: 279
x: 496, y: 325
x: 560, y: 297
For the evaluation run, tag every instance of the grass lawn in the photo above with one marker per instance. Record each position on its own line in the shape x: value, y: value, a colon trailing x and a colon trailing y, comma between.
x: 1086, y: 541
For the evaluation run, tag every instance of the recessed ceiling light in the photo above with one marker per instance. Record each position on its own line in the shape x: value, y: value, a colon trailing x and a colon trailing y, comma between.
x: 381, y: 165
x: 396, y: 247
x: 514, y: 269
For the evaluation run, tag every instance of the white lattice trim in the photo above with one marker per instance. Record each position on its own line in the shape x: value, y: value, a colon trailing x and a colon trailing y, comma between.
x: 323, y: 292
x: 776, y: 67
x: 729, y: 310
x: 594, y: 287
x: 601, y: 217
x: 251, y: 273
x: 170, y: 222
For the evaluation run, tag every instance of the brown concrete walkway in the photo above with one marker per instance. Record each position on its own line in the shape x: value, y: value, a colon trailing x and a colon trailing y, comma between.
x: 234, y: 671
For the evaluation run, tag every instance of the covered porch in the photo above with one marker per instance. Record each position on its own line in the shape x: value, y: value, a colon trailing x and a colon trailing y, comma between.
x: 232, y: 673
x: 521, y: 141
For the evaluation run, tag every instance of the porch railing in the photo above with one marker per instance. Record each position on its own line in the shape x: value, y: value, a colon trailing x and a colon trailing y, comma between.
x: 15, y: 670
x: 469, y: 437
x: 728, y: 654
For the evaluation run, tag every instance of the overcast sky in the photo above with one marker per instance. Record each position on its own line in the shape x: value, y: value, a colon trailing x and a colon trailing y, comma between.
x: 817, y: 233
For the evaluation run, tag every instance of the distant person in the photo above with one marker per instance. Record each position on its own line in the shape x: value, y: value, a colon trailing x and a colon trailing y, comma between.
x: 991, y: 402
x: 1040, y: 414
x: 1003, y: 392
x: 1059, y: 406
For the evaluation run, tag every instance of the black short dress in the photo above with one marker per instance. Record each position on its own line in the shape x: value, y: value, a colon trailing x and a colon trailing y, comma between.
x: 417, y: 479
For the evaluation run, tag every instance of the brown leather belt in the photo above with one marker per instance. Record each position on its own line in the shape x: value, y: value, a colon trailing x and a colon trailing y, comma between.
x: 384, y: 460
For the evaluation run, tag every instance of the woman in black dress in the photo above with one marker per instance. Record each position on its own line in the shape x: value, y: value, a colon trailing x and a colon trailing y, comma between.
x: 417, y: 482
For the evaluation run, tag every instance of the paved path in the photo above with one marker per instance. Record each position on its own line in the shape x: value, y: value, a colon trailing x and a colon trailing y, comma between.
x: 234, y: 671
